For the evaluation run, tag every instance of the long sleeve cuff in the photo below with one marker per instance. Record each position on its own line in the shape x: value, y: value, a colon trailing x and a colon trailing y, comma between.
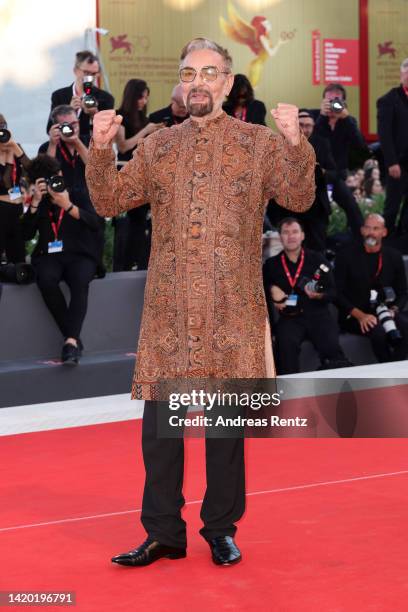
x: 101, y: 154
x: 295, y: 152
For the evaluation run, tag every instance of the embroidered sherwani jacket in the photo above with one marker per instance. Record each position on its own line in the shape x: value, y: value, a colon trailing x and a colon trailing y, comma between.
x: 204, y: 311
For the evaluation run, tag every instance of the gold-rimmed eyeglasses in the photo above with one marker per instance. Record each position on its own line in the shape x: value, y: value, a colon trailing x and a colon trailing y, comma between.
x: 207, y: 73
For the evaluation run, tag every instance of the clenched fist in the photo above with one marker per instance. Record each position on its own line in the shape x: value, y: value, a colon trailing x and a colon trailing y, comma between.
x: 105, y: 127
x: 287, y: 121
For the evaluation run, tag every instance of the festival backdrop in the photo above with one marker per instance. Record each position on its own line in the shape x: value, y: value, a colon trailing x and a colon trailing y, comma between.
x: 288, y: 48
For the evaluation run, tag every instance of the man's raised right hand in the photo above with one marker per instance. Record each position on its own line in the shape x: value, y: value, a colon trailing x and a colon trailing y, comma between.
x: 105, y: 127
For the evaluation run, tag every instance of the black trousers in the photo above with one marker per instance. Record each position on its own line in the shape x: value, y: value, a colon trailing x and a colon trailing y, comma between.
x: 138, y: 240
x: 291, y: 332
x: 381, y: 348
x: 77, y: 271
x: 396, y: 191
x: 315, y: 232
x: 224, y: 500
x: 343, y: 196
x: 11, y: 235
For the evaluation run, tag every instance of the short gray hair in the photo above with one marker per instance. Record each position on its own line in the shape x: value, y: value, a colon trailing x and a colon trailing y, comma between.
x: 58, y: 111
x: 404, y: 64
x: 197, y: 44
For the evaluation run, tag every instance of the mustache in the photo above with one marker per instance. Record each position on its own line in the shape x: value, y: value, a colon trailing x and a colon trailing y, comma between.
x: 198, y: 90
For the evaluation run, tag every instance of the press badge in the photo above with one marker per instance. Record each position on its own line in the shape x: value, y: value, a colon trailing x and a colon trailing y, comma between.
x: 55, y: 247
x: 292, y: 300
x: 14, y: 193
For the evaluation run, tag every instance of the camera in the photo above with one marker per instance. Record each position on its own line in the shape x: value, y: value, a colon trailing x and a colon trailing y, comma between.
x: 88, y: 99
x: 20, y: 273
x: 380, y: 300
x: 5, y: 135
x: 56, y: 183
x: 337, y: 105
x: 66, y: 129
x: 318, y: 283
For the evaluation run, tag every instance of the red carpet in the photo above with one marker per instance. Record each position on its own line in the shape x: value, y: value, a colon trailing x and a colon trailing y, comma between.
x: 339, y: 546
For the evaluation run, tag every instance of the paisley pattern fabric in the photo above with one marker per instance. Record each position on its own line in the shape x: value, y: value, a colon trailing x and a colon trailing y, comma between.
x: 204, y: 307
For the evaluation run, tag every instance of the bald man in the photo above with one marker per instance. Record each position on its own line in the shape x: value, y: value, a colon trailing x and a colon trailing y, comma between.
x: 173, y: 114
x: 367, y: 266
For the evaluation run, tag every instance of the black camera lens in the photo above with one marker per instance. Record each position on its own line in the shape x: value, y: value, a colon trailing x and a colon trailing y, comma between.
x: 56, y: 183
x: 5, y: 135
x: 337, y: 105
x: 66, y: 129
x: 90, y: 101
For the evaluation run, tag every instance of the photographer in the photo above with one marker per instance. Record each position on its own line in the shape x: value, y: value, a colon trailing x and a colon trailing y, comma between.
x: 12, y: 162
x: 337, y: 125
x: 362, y: 269
x: 67, y: 248
x: 85, y: 105
x: 301, y: 287
x: 71, y: 151
x: 68, y: 147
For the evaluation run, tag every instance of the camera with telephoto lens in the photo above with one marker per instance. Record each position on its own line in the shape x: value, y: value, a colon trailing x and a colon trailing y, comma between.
x: 88, y: 99
x: 5, y: 135
x: 56, y: 183
x: 318, y: 283
x: 380, y: 301
x: 66, y: 129
x: 337, y: 105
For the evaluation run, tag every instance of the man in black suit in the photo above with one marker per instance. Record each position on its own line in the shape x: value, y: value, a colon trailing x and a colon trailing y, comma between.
x: 362, y: 269
x: 392, y: 126
x: 174, y: 113
x: 86, y: 65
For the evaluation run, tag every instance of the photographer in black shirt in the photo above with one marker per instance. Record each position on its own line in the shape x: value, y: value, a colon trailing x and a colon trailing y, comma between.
x: 301, y: 286
x: 362, y: 269
x: 68, y: 147
x: 67, y: 248
x: 86, y: 68
x: 337, y: 125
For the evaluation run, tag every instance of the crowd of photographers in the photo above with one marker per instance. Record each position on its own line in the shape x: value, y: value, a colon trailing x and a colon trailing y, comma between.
x: 307, y: 269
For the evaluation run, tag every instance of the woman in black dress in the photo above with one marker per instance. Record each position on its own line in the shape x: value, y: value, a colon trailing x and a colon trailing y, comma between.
x: 135, y: 126
x: 12, y: 162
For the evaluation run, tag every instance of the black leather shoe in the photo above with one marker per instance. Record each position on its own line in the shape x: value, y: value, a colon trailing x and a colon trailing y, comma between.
x: 224, y: 550
x: 70, y: 354
x: 148, y: 552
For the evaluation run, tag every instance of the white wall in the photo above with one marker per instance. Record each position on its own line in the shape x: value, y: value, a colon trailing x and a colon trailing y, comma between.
x: 38, y: 42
